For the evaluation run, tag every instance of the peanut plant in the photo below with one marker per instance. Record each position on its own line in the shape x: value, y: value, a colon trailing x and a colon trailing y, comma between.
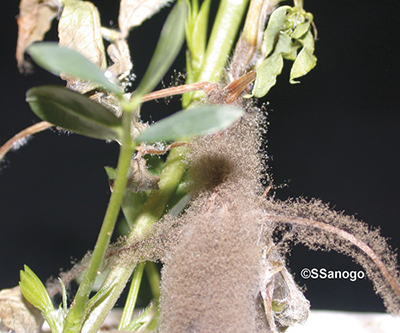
x: 203, y: 211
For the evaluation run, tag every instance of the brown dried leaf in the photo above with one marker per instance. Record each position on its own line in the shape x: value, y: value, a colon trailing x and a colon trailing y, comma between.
x: 121, y: 57
x: 132, y: 13
x: 80, y: 29
x: 34, y: 21
x: 140, y: 179
x: 16, y: 314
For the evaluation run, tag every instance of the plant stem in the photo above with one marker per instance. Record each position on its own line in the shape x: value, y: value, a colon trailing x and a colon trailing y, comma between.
x: 17, y: 139
x: 298, y: 3
x: 153, y: 276
x: 74, y: 318
x: 229, y: 16
x: 151, y: 213
x: 132, y: 296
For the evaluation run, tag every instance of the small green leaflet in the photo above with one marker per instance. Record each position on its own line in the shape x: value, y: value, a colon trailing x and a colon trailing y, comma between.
x: 193, y: 122
x: 276, y: 23
x: 35, y: 293
x: 288, y: 36
x: 61, y: 60
x: 305, y: 60
x: 74, y: 112
x: 167, y: 49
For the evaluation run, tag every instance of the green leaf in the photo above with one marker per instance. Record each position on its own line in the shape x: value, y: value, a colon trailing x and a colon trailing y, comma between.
x: 74, y: 112
x: 167, y: 49
x: 304, y: 63
x: 267, y: 72
x: 284, y: 45
x: 34, y: 291
x: 111, y: 173
x: 303, y: 27
x: 154, y: 164
x: 139, y: 321
x: 64, y: 297
x: 276, y: 24
x: 196, y: 36
x: 193, y: 122
x: 61, y: 60
x: 308, y: 41
x: 97, y: 299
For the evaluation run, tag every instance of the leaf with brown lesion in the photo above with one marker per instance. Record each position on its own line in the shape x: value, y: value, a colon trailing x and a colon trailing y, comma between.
x: 34, y: 20
x: 134, y: 12
x: 120, y: 55
x: 80, y: 29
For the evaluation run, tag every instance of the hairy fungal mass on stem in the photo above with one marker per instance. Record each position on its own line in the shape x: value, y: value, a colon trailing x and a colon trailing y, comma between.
x: 234, y: 276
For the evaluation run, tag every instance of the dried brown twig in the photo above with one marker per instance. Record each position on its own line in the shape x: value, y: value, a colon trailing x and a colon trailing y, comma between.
x: 16, y: 139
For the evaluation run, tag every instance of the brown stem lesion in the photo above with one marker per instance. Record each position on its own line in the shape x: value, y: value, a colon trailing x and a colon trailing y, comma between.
x: 36, y: 128
x: 143, y: 149
x: 207, y: 87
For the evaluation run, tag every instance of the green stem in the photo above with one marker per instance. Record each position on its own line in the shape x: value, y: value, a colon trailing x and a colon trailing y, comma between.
x: 153, y: 275
x: 74, y: 318
x: 229, y: 16
x: 298, y: 3
x: 132, y: 296
x: 152, y: 210
x: 169, y: 180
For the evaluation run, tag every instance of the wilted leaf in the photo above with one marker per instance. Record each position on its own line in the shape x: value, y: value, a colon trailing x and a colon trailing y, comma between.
x: 61, y: 60
x: 284, y: 44
x: 303, y: 27
x: 16, y: 314
x: 132, y: 13
x: 308, y: 41
x: 266, y: 75
x: 74, y: 112
x: 193, y: 122
x: 288, y: 31
x: 34, y: 20
x: 121, y: 57
x: 140, y: 179
x: 276, y: 24
x: 167, y: 49
x: 304, y: 62
x: 79, y: 29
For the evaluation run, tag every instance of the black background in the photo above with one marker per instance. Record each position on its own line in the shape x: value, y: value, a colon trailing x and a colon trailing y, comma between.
x: 335, y: 137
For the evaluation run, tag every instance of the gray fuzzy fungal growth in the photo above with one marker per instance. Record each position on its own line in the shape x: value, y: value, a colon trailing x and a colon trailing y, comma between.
x: 215, y: 277
x: 223, y: 272
x: 211, y: 278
